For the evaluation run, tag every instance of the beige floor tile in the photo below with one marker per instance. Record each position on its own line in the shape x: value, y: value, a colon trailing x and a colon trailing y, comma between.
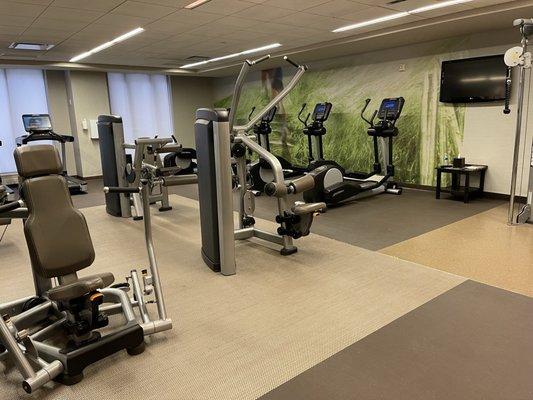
x: 482, y: 247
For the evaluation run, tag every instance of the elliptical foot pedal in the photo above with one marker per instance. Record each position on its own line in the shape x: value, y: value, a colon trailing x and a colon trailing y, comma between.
x: 165, y: 208
x: 288, y: 251
x: 134, y: 351
x: 69, y: 380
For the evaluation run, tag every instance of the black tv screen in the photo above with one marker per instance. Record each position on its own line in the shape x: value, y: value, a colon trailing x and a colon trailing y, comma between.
x: 473, y: 80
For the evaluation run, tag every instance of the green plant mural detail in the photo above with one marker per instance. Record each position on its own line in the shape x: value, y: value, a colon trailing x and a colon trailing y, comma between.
x: 430, y: 131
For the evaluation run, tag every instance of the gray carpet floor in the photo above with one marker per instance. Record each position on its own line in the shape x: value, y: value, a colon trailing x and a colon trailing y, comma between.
x: 372, y: 223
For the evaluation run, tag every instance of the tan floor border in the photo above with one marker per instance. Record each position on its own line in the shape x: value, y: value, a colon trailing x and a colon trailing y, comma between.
x: 482, y: 247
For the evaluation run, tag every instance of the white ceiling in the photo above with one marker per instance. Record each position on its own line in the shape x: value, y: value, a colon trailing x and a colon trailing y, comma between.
x: 173, y: 34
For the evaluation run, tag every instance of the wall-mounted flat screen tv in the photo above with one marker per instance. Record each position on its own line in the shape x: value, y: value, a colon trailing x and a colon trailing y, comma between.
x: 473, y: 80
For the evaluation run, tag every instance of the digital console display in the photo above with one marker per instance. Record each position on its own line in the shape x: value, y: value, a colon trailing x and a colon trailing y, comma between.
x: 37, y: 122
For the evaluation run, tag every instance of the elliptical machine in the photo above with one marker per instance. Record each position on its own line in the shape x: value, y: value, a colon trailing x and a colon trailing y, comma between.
x: 335, y: 186
x: 260, y: 171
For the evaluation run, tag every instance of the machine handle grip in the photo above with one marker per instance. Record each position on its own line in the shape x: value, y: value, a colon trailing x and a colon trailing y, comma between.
x: 295, y: 64
x: 259, y: 60
x: 126, y: 190
x: 508, y: 81
x: 302, y: 184
x: 11, y: 206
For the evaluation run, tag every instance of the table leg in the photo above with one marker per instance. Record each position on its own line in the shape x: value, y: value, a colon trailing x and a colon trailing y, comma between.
x: 437, y: 189
x: 482, y: 181
x: 467, y: 186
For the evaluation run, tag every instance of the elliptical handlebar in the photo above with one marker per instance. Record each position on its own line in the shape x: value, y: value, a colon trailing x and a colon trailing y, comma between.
x: 251, y: 112
x: 304, y: 122
x: 371, y: 122
x: 259, y: 60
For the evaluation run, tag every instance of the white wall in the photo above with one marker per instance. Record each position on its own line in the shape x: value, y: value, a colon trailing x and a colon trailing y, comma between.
x: 188, y: 94
x: 87, y: 99
x: 56, y: 93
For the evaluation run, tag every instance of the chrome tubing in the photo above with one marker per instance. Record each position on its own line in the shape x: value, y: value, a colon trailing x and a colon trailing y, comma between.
x: 161, y: 309
x: 281, y: 95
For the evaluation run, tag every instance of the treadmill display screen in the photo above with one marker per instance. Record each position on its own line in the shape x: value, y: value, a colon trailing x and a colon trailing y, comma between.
x: 37, y: 122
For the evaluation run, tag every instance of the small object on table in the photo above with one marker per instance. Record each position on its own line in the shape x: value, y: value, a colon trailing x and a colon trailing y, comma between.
x: 459, y: 162
x: 456, y: 172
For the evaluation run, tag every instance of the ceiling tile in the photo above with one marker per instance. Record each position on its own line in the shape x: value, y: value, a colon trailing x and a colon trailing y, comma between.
x: 138, y: 9
x: 20, y: 9
x: 11, y: 30
x: 69, y: 14
x: 127, y: 22
x: 297, y: 5
x: 263, y: 13
x: 11, y: 20
x: 169, y: 3
x: 164, y: 26
x: 95, y: 5
x: 226, y: 7
x: 197, y: 17
x: 58, y: 24
x: 337, y: 8
x: 307, y: 20
x: 38, y: 2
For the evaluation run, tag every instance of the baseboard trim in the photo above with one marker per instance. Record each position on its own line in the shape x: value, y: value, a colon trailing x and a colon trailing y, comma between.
x: 489, y: 195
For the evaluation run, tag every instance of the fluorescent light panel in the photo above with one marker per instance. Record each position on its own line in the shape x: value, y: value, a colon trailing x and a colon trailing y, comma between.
x: 106, y: 45
x: 233, y: 55
x: 30, y: 46
x: 196, y: 3
x: 401, y: 15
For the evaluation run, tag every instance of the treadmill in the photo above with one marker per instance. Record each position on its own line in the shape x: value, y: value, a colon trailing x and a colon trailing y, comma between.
x: 39, y: 127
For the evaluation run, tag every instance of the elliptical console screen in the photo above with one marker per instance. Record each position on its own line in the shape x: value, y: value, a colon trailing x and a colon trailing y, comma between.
x: 391, y: 107
x: 321, y: 112
x: 37, y: 122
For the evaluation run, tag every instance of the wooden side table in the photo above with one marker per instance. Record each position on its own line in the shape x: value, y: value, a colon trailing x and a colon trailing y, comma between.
x: 456, y: 189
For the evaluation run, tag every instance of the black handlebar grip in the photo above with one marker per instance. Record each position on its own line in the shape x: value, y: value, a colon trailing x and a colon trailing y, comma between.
x: 291, y: 62
x: 260, y: 60
x: 508, y: 80
x: 11, y: 206
x: 128, y: 190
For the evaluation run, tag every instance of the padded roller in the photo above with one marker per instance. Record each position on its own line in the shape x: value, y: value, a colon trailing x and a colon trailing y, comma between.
x: 275, y: 189
x: 307, y: 208
x: 306, y: 182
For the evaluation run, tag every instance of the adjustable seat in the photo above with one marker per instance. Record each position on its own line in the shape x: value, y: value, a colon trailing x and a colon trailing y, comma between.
x: 60, y: 245
x: 58, y: 238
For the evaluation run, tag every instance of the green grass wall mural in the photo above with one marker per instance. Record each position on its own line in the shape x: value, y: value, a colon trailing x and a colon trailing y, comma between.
x: 430, y: 131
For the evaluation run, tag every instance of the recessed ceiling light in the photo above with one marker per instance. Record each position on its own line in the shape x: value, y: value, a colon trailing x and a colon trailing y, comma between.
x: 105, y: 45
x: 371, y: 22
x: 401, y: 15
x: 30, y: 46
x: 196, y: 3
x: 233, y: 55
x: 436, y: 6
